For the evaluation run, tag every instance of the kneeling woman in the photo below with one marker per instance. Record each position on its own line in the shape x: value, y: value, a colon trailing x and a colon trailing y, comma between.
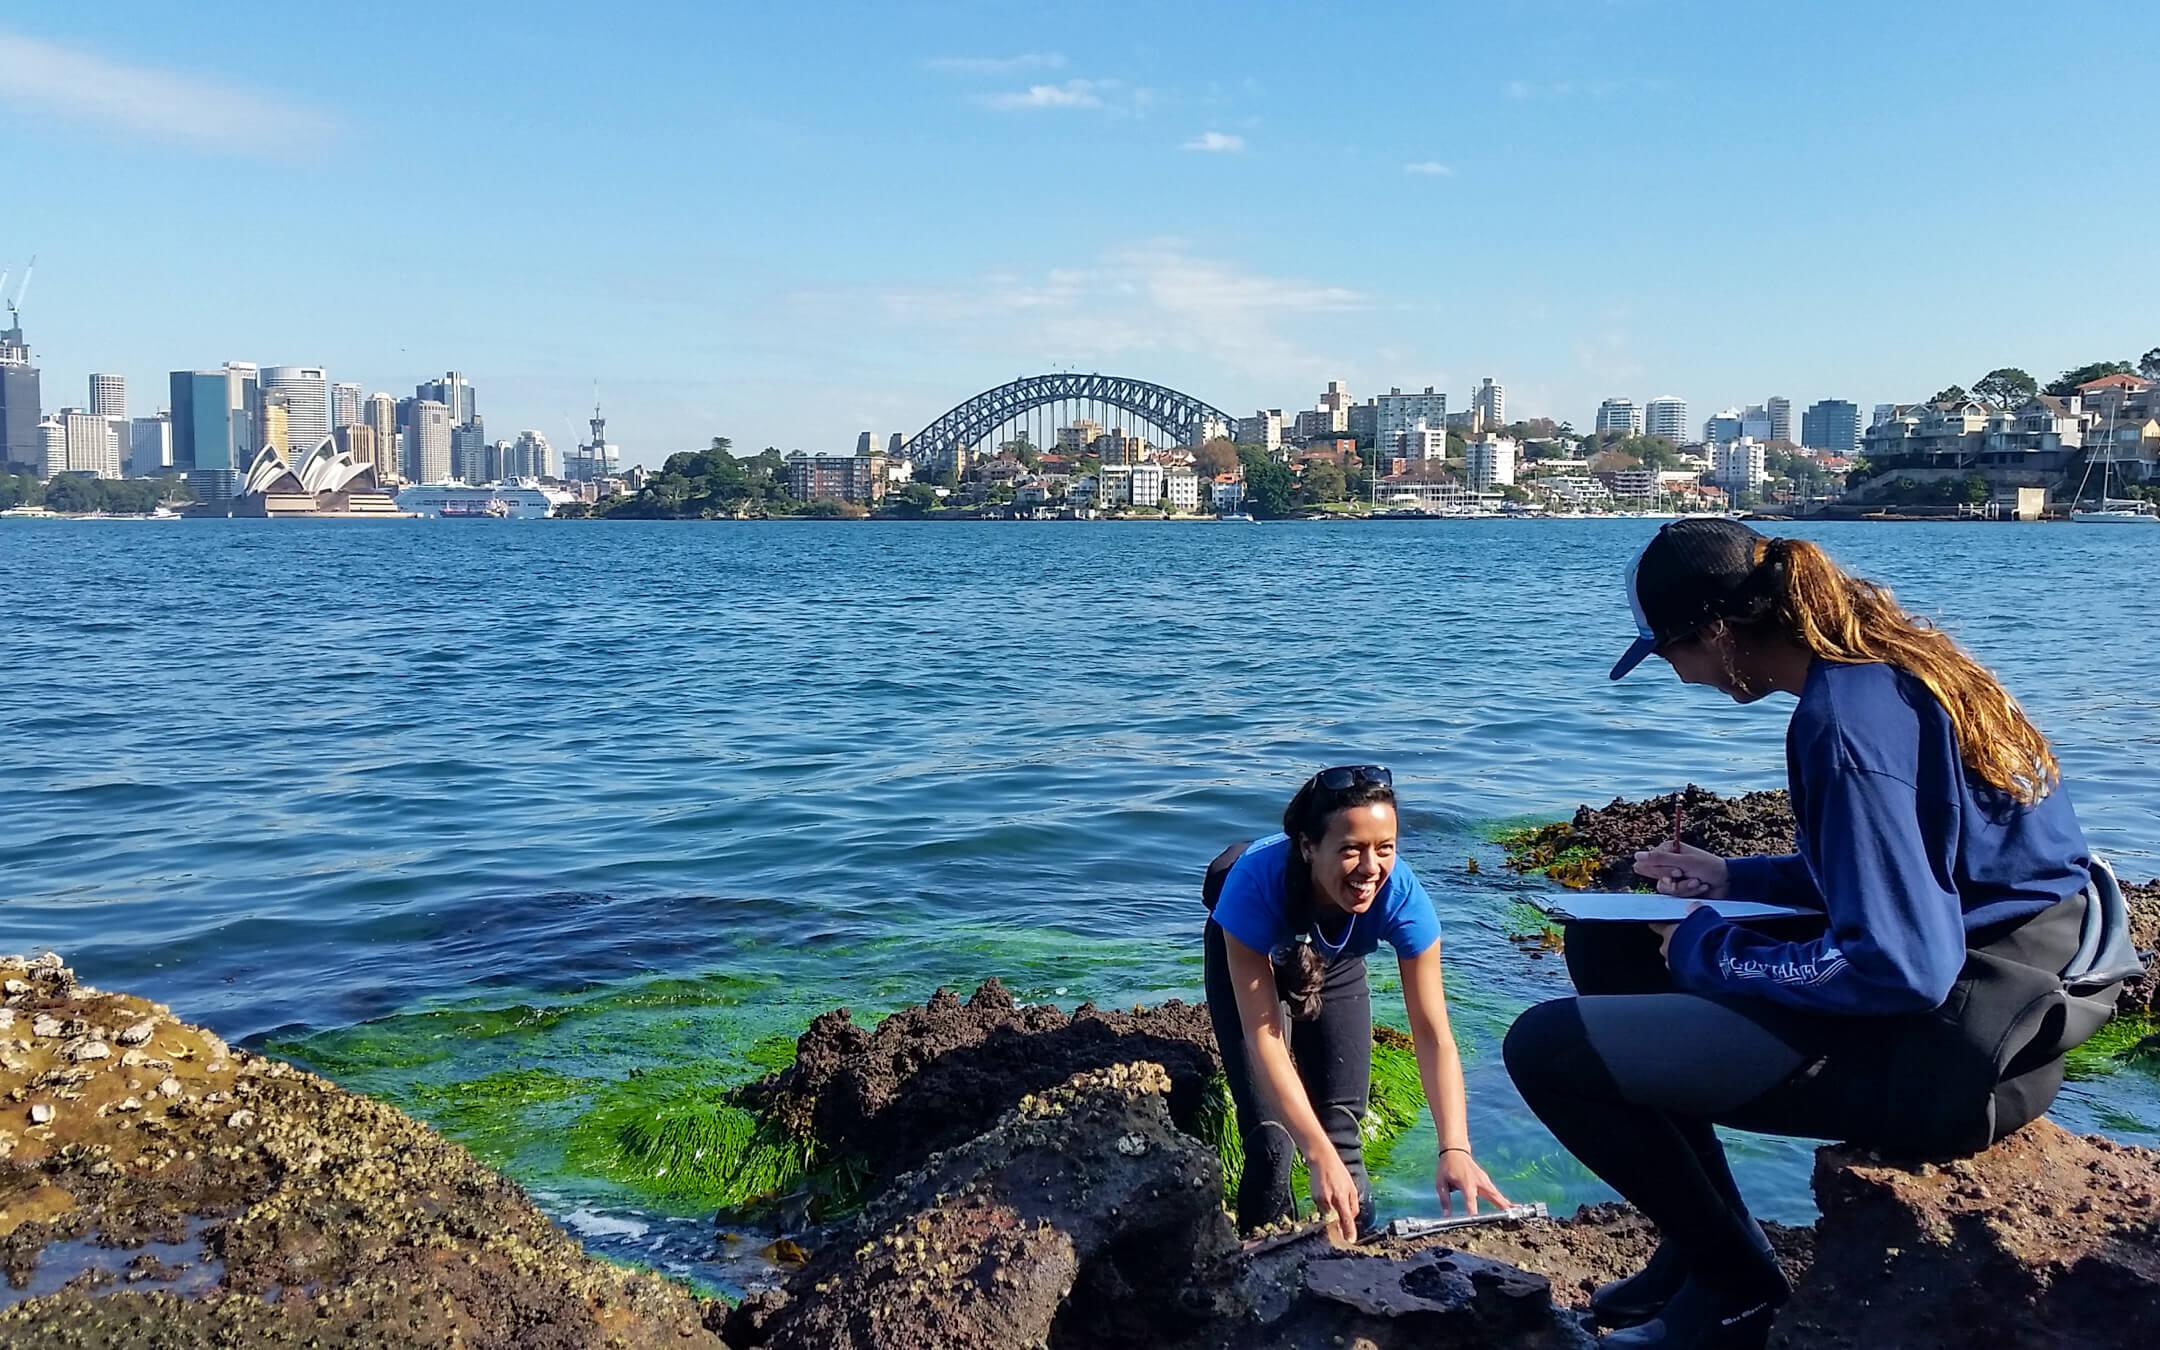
x: 1316, y: 900
x: 1923, y: 1012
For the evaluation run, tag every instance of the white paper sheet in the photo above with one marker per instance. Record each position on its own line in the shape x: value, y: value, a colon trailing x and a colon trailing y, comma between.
x: 1650, y: 907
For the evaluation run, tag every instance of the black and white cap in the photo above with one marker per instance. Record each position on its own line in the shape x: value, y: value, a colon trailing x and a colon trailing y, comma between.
x: 1691, y: 573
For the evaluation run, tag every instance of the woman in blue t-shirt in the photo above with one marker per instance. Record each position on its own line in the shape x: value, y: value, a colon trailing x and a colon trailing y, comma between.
x: 1314, y: 901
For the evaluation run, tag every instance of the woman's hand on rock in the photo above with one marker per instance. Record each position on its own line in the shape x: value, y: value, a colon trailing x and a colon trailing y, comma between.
x: 1684, y: 870
x: 1458, y: 1171
x: 1334, y: 1194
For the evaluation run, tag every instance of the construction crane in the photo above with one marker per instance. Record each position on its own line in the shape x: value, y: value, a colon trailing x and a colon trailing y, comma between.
x: 15, y: 305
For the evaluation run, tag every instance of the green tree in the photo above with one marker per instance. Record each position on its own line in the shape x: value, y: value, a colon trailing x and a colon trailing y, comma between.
x: 1270, y: 490
x: 1324, y: 481
x: 2149, y: 364
x: 1216, y: 456
x: 2066, y: 384
x: 1954, y: 394
x: 2006, y: 388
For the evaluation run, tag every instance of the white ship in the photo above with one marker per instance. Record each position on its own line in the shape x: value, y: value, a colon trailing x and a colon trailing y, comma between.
x: 523, y: 499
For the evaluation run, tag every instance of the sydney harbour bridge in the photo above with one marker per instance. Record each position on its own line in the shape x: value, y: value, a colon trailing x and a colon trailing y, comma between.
x: 1035, y: 407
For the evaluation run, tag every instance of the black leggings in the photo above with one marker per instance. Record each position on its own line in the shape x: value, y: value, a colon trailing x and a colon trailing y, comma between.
x: 1333, y: 1054
x: 1632, y: 1075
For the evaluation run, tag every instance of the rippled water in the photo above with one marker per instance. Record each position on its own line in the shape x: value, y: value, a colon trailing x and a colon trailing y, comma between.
x: 589, y: 797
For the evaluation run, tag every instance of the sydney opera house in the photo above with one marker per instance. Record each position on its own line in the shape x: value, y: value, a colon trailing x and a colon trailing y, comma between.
x: 327, y: 483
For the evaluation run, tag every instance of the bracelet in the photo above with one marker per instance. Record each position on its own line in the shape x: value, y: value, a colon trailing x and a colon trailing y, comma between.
x: 1454, y: 1149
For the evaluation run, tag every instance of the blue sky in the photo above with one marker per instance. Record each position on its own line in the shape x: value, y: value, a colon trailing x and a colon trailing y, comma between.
x: 790, y: 223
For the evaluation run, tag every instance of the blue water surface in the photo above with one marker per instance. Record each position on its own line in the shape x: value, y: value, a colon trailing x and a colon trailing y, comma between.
x: 297, y: 776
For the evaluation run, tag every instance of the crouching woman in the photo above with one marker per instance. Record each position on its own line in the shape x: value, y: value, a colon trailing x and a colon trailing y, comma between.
x: 1285, y: 949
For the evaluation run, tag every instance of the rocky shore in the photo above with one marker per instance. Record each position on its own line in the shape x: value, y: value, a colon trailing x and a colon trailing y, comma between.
x: 979, y: 1174
x: 159, y: 1188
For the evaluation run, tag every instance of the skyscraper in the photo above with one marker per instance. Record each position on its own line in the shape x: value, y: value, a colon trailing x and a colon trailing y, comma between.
x: 243, y: 387
x: 1395, y: 412
x: 455, y: 393
x: 468, y: 451
x: 531, y: 457
x: 1831, y: 424
x: 429, y: 451
x: 52, y: 448
x: 205, y: 433
x: 344, y: 405
x: 90, y: 445
x: 307, y: 407
x: 151, y: 446
x: 359, y: 440
x: 1781, y: 427
x: 1722, y: 428
x: 21, y: 440
x: 1666, y: 416
x: 1621, y: 415
x: 108, y: 395
x: 1488, y: 403
x: 379, y: 414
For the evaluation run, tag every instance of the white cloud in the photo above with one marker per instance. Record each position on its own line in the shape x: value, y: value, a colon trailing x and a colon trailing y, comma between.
x: 1216, y: 143
x: 1432, y: 167
x: 1144, y: 300
x: 1071, y: 94
x: 995, y: 65
x: 46, y: 79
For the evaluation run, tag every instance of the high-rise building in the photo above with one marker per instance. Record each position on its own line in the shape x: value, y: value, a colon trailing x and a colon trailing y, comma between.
x: 22, y: 439
x: 380, y: 415
x: 108, y: 395
x: 455, y: 393
x: 206, y: 428
x: 307, y: 407
x: 1740, y: 466
x: 1621, y: 415
x: 1421, y: 442
x: 1263, y: 428
x: 1489, y: 462
x: 1781, y: 427
x: 428, y: 434
x: 274, y: 426
x: 359, y: 440
x: 1722, y: 428
x: 52, y: 448
x: 468, y: 451
x: 1396, y: 411
x: 530, y: 457
x: 1831, y: 424
x: 1488, y: 402
x: 243, y: 386
x: 1666, y: 416
x: 91, y: 448
x: 344, y: 405
x: 150, y: 446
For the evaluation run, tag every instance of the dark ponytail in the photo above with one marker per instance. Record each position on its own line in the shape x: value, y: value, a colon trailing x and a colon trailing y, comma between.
x: 1300, y: 974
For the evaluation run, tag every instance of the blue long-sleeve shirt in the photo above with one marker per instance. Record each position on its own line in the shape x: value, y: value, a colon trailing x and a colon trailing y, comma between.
x: 1904, y: 851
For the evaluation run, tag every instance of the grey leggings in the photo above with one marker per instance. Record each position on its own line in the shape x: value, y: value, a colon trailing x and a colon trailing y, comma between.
x: 1333, y: 1054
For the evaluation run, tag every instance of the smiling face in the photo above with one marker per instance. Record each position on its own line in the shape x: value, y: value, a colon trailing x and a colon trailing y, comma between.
x: 1352, y: 859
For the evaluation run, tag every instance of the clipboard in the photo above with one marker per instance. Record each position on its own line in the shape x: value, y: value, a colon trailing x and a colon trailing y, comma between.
x: 1651, y: 907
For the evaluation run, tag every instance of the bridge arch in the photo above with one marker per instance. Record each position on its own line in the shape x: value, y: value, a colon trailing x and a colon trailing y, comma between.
x: 1043, y: 403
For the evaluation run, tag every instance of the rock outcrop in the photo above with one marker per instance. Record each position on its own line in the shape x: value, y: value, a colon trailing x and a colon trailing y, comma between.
x: 159, y: 1188
x: 939, y: 1073
x: 1596, y: 848
x: 2045, y: 1240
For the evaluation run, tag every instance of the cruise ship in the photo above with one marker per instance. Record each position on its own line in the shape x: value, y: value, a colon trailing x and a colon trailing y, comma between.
x: 523, y: 499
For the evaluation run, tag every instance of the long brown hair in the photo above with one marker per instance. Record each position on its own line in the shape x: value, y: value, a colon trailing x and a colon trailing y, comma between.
x: 1841, y: 617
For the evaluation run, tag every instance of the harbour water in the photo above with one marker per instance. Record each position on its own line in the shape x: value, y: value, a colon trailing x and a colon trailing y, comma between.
x: 426, y: 803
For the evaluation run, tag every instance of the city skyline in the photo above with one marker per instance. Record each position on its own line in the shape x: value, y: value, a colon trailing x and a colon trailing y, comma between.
x: 806, y: 249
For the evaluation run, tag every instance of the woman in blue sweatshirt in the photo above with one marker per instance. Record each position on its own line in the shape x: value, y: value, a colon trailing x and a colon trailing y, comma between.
x: 1935, y: 836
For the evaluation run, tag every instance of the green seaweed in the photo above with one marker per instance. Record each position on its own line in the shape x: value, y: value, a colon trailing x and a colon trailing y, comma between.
x: 1553, y: 851
x: 678, y: 1137
x: 491, y: 1104
x: 1396, y: 1102
x: 2121, y: 1044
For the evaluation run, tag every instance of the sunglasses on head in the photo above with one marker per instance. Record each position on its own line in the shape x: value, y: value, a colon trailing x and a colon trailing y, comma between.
x: 1347, y: 776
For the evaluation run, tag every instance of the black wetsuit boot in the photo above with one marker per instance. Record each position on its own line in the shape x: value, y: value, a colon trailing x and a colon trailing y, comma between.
x: 1639, y: 1297
x: 1700, y: 1317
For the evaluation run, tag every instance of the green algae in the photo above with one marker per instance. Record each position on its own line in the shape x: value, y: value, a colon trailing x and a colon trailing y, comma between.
x: 678, y: 1137
x: 1396, y: 1103
x: 2119, y: 1045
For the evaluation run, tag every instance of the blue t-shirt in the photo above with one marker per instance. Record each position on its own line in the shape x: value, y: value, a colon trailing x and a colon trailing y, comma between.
x: 1901, y: 847
x: 1256, y: 894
